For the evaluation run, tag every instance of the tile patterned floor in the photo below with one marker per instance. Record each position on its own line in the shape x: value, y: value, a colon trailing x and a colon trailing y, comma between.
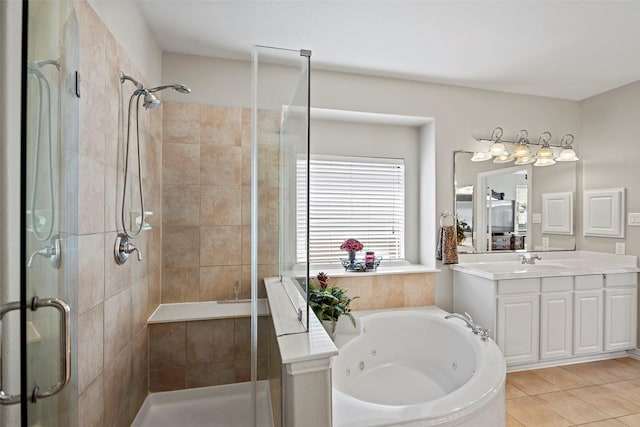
x: 596, y: 394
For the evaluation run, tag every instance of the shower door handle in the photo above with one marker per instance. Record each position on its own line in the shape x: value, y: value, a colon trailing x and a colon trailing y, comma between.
x: 65, y: 347
x: 9, y: 399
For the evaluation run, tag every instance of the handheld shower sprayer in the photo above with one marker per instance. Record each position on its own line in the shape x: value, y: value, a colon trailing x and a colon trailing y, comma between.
x: 124, y: 246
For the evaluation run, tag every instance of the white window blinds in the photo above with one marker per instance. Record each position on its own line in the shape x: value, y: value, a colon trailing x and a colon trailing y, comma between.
x: 351, y: 198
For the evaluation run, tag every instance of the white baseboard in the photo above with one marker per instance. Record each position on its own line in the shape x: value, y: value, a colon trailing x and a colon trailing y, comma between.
x: 635, y: 353
x: 572, y: 360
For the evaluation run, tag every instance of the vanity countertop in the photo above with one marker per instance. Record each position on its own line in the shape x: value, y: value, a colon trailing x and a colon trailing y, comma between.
x: 575, y: 263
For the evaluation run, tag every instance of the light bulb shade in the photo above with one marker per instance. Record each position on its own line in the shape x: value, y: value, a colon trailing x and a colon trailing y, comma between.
x: 521, y: 150
x: 497, y: 149
x: 544, y: 162
x: 503, y: 158
x: 480, y: 157
x: 545, y: 153
x: 525, y: 160
x: 567, y: 155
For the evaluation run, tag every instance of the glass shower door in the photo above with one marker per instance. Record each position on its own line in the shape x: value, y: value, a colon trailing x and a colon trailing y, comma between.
x: 49, y: 184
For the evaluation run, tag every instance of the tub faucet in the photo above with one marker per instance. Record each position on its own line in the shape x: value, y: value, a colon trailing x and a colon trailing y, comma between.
x: 529, y: 259
x: 475, y: 328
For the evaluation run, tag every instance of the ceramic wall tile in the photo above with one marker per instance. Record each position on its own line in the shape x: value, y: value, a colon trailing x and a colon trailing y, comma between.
x: 180, y: 284
x: 181, y: 123
x: 181, y: 204
x: 220, y: 125
x: 167, y: 345
x: 117, y: 389
x: 220, y: 165
x: 90, y: 271
x: 91, y: 404
x: 90, y: 346
x: 180, y: 163
x: 220, y: 245
x: 117, y: 324
x: 210, y: 341
x: 220, y: 205
x: 217, y: 282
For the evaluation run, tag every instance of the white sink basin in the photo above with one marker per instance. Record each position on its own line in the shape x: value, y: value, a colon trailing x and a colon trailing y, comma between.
x: 518, y: 267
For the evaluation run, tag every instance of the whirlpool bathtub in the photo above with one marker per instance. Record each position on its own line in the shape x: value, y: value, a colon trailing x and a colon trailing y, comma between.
x: 411, y: 367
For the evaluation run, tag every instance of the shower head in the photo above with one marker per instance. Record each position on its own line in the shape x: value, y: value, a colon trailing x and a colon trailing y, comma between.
x: 178, y: 87
x: 150, y: 101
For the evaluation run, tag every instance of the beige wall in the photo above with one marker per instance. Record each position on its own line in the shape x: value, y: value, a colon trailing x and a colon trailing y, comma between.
x: 125, y: 22
x: 609, y: 151
x: 114, y: 301
x: 460, y: 113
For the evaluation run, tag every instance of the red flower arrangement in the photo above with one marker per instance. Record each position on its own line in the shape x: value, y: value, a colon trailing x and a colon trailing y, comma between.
x: 351, y: 245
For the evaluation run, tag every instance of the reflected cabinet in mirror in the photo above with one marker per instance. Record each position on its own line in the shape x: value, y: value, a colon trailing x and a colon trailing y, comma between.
x: 506, y: 207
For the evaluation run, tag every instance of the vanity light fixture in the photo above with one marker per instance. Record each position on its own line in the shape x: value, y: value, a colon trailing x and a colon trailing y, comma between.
x: 545, y: 156
x: 567, y: 154
x: 497, y: 148
x: 521, y: 151
x: 480, y: 157
x: 522, y: 145
x: 503, y: 158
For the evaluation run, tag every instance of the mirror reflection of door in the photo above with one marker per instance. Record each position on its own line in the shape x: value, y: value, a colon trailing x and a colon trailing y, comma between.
x: 464, y: 216
x: 502, y: 216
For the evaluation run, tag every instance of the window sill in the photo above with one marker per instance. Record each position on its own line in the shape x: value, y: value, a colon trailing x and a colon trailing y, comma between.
x: 395, y: 267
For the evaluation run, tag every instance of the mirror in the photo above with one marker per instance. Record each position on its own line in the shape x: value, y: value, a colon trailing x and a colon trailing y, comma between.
x: 500, y: 205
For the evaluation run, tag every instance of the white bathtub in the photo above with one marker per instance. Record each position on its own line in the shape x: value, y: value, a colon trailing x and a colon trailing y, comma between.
x: 412, y: 367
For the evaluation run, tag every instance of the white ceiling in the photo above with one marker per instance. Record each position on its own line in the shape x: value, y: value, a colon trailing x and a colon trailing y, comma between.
x: 563, y: 49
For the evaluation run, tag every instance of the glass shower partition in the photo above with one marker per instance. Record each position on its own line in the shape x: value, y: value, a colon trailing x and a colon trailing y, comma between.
x: 279, y: 183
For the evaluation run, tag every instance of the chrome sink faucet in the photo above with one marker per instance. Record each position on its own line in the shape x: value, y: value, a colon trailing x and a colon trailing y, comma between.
x: 475, y: 328
x: 531, y: 259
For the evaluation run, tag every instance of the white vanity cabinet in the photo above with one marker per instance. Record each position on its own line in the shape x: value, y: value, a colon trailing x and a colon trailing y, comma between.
x: 556, y: 317
x: 517, y: 319
x: 544, y: 319
x: 588, y: 319
x: 620, y: 305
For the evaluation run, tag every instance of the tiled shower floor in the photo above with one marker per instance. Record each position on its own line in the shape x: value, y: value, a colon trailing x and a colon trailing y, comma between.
x: 218, y: 406
x: 595, y: 394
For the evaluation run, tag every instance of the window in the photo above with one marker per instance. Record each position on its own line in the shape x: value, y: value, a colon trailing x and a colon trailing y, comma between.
x: 352, y: 198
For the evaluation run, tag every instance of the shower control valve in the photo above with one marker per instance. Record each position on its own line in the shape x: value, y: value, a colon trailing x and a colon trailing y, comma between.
x: 123, y: 248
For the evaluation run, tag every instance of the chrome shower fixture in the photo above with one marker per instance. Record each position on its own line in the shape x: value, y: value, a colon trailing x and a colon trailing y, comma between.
x: 124, y: 246
x: 149, y: 100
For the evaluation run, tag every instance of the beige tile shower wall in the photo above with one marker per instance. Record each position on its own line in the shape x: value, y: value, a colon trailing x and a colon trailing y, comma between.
x: 204, y: 353
x: 206, y: 197
x: 389, y: 291
x: 114, y: 301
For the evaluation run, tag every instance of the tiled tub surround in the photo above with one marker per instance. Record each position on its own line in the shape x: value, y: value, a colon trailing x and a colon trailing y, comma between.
x: 206, y: 201
x: 114, y: 301
x: 383, y: 290
x: 209, y: 346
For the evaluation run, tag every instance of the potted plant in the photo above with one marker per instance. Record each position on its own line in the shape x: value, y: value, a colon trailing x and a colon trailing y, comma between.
x: 329, y: 302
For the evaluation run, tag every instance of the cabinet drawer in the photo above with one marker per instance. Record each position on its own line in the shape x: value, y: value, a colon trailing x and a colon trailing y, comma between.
x: 592, y: 281
x: 620, y: 279
x: 556, y: 284
x: 518, y: 286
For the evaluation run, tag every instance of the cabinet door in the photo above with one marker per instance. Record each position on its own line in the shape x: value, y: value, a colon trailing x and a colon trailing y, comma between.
x: 620, y: 318
x: 518, y: 327
x: 556, y: 325
x: 587, y: 321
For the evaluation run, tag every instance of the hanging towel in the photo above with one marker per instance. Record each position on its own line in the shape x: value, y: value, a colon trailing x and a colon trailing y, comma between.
x: 447, y: 250
x: 447, y: 247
